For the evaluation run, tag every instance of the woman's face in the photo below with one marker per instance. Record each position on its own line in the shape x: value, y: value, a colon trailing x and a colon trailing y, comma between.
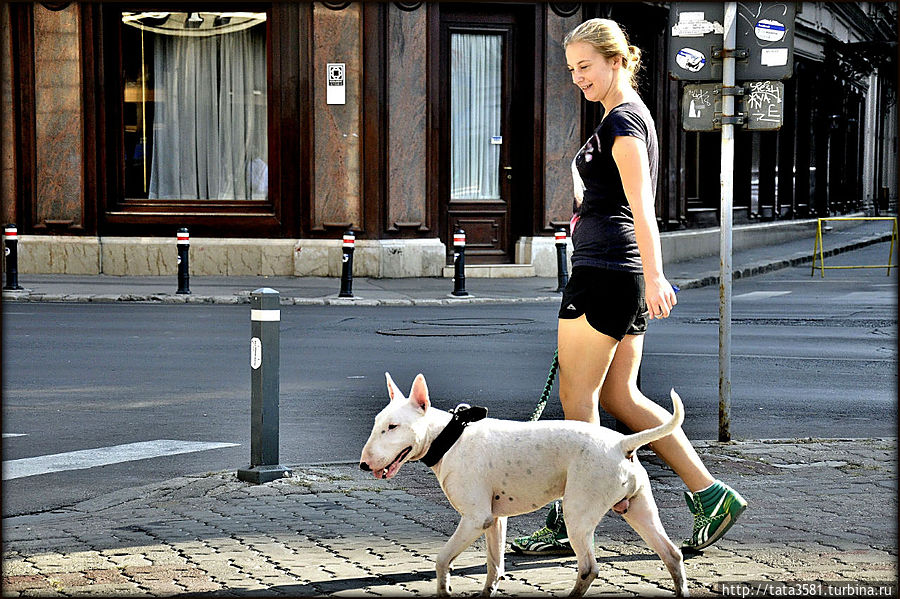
x: 592, y: 72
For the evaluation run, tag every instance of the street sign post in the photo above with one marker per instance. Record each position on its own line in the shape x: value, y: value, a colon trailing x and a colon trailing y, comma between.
x: 727, y: 43
x: 726, y: 182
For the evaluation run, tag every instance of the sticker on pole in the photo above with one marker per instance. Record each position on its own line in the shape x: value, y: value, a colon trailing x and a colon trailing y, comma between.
x: 690, y: 59
x: 769, y: 30
x: 255, y: 353
x: 694, y: 24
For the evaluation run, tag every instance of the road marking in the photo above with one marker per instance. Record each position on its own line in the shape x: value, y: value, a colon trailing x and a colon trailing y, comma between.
x: 8, y: 435
x: 759, y: 295
x: 869, y: 297
x: 663, y: 354
x: 103, y: 456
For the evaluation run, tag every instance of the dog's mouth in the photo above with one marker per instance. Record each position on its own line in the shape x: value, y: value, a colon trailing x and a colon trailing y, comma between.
x: 394, y: 466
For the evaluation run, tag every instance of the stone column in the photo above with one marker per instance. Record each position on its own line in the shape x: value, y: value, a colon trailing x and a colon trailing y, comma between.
x: 337, y: 128
x: 59, y: 147
x: 406, y: 105
x: 7, y: 141
x: 562, y: 122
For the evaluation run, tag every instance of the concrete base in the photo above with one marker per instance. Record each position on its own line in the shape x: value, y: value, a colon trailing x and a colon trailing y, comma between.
x: 540, y: 252
x: 378, y: 258
x: 262, y: 474
x: 141, y: 256
x: 493, y: 271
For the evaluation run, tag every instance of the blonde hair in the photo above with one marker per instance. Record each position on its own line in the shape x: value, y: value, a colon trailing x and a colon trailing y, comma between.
x: 608, y: 39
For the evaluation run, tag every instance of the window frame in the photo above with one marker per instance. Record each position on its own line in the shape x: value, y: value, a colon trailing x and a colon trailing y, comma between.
x: 276, y: 216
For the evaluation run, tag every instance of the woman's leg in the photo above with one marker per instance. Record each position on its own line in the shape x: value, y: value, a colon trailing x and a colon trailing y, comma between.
x: 621, y: 398
x: 585, y: 356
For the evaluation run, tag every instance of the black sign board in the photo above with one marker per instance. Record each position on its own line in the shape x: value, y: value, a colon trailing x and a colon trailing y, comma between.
x: 760, y: 106
x: 764, y: 46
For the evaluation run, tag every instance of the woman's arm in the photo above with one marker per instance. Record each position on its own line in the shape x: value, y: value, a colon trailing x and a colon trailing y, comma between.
x: 630, y: 154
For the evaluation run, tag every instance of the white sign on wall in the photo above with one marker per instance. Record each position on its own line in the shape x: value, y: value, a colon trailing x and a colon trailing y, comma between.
x: 335, y: 89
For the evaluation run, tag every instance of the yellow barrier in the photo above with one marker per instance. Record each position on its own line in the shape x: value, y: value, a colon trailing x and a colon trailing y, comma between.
x: 819, y: 252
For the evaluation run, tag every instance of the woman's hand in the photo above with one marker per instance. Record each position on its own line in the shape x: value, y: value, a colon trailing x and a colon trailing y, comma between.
x: 660, y: 297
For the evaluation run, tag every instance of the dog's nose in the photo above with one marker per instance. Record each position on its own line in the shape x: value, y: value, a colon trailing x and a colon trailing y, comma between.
x: 364, y: 466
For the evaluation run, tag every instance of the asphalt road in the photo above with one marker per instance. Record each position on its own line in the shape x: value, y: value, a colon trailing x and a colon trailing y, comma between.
x: 812, y: 357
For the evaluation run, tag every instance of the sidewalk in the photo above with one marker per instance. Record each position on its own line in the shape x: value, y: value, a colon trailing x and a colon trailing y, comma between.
x: 820, y: 510
x: 404, y: 292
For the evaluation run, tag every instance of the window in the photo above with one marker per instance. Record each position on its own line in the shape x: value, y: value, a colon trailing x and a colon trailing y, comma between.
x: 194, y: 111
x: 475, y: 98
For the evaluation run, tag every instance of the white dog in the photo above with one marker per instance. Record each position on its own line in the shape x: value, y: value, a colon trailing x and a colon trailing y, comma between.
x: 501, y: 468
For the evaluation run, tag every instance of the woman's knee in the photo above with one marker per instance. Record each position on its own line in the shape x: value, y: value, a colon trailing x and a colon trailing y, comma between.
x: 578, y: 402
x: 618, y: 398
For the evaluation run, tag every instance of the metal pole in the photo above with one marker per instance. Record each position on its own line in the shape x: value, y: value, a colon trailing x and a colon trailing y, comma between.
x: 562, y: 269
x: 459, y: 264
x: 11, y: 239
x: 265, y: 321
x: 347, y: 247
x: 726, y: 181
x: 183, y: 241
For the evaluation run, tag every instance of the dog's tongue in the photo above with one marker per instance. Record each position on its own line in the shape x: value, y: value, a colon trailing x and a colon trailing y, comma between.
x: 392, y: 470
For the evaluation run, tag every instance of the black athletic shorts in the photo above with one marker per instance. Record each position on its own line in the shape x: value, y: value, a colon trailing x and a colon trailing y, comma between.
x: 613, y: 300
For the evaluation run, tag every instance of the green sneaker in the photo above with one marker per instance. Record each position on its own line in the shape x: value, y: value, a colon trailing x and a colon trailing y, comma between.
x: 553, y: 539
x: 715, y: 511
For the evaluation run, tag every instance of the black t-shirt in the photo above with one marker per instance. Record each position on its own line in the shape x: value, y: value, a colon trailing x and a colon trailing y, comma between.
x: 604, y: 235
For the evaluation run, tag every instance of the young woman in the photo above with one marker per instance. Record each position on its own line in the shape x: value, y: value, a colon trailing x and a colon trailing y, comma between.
x: 617, y: 283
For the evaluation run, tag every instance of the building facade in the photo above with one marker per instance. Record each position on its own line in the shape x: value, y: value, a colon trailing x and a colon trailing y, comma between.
x: 271, y: 129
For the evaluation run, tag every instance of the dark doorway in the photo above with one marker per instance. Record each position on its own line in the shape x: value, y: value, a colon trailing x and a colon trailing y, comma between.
x: 486, y: 118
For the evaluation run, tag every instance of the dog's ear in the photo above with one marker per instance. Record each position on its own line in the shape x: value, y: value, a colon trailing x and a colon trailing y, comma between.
x: 419, y: 393
x: 393, y: 389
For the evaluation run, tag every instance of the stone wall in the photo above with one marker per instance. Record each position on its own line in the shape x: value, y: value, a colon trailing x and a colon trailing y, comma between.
x: 139, y: 256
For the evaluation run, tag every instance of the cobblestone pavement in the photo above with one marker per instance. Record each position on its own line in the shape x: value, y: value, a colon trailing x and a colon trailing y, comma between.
x: 820, y: 510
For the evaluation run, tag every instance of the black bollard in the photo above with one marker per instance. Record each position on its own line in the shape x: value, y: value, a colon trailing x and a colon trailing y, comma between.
x: 562, y: 268
x: 183, y: 239
x: 459, y: 264
x: 265, y: 357
x: 347, y: 265
x: 11, y: 238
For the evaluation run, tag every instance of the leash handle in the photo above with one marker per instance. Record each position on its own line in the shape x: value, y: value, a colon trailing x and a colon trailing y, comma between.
x: 542, y: 403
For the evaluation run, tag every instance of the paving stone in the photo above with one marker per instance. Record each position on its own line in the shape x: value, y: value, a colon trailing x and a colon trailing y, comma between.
x: 203, y: 534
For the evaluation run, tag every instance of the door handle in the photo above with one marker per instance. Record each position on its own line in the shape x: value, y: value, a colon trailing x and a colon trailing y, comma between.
x: 508, y: 173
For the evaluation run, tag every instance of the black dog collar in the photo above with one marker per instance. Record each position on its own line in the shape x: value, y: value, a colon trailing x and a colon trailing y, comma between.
x: 463, y: 414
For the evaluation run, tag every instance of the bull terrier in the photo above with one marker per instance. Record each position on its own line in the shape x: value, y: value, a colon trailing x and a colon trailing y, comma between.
x: 500, y: 468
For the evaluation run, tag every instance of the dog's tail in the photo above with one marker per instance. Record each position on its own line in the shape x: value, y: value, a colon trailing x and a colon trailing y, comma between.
x: 630, y: 443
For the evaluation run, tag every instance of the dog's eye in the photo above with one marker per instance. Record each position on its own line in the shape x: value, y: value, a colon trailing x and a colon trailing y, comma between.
x: 392, y: 427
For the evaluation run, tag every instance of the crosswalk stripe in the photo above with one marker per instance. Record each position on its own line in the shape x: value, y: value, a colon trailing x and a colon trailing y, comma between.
x: 103, y: 456
x: 8, y: 435
x: 758, y: 295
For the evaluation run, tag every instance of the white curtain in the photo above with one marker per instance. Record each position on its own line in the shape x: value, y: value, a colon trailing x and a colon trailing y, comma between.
x: 209, y: 122
x: 475, y: 92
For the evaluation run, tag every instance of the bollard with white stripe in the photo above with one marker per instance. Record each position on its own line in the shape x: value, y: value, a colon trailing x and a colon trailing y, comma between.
x: 562, y: 269
x: 183, y: 240
x: 265, y: 357
x: 459, y: 264
x: 11, y: 240
x: 347, y: 247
